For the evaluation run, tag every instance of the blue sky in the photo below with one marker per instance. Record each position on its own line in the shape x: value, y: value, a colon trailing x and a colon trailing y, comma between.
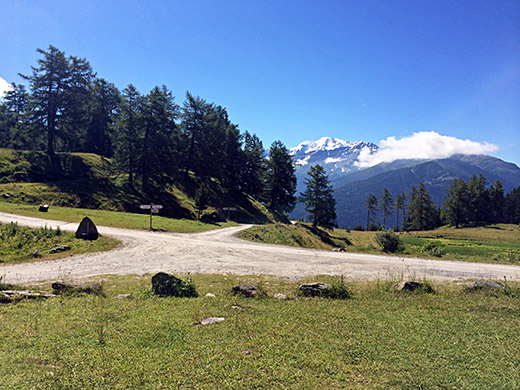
x: 298, y: 70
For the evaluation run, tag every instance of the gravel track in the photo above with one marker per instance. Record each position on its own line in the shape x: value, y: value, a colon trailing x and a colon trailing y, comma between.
x: 218, y: 251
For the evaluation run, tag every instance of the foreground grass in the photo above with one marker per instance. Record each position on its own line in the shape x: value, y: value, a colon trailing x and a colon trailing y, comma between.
x: 377, y: 340
x: 18, y: 242
x: 113, y: 218
x: 495, y: 243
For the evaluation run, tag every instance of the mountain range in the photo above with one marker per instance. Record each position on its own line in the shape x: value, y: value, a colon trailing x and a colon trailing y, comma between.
x: 353, y: 184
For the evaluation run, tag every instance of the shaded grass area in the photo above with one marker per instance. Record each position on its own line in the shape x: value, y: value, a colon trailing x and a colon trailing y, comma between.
x: 376, y: 340
x: 18, y: 242
x: 496, y: 243
x: 113, y: 219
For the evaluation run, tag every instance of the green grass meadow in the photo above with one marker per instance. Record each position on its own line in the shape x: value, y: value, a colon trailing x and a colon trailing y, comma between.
x: 378, y: 339
x: 113, y: 218
x: 491, y: 244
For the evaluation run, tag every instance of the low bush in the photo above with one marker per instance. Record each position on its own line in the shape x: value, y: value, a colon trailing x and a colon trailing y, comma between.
x: 433, y: 248
x: 389, y: 241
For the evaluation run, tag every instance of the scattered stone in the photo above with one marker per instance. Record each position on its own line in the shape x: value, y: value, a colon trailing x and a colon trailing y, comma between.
x: 236, y: 307
x: 61, y: 248
x: 210, y: 295
x: 35, y: 253
x: 412, y: 286
x: 246, y: 353
x: 314, y: 289
x: 65, y: 288
x: 8, y: 296
x: 210, y: 320
x: 280, y: 296
x: 87, y: 230
x: 339, y: 249
x: 43, y: 208
x: 120, y: 297
x: 165, y: 285
x: 247, y: 289
x: 483, y: 284
x: 6, y: 195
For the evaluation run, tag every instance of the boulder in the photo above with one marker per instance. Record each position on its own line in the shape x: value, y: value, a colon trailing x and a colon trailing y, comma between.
x: 247, y: 289
x: 43, y: 208
x: 165, y: 285
x: 6, y: 195
x: 214, y: 217
x: 412, y: 286
x: 87, y: 230
x: 61, y: 248
x: 483, y: 284
x: 65, y: 288
x: 314, y: 289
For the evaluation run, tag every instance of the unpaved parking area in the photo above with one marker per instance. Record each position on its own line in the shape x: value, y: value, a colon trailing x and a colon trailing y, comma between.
x: 218, y: 251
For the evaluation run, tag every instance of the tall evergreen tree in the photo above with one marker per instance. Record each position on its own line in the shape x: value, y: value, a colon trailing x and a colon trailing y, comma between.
x: 104, y: 101
x: 456, y: 207
x: 128, y: 132
x: 371, y: 205
x: 48, y: 85
x: 512, y: 206
x: 497, y: 202
x: 400, y: 205
x: 387, y: 205
x: 422, y: 214
x: 281, y: 179
x: 254, y: 167
x: 15, y: 131
x: 158, y: 156
x: 318, y: 198
x: 479, y: 200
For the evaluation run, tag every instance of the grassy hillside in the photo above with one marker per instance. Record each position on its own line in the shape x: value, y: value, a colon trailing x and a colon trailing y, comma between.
x: 379, y: 339
x: 90, y: 181
x: 495, y: 243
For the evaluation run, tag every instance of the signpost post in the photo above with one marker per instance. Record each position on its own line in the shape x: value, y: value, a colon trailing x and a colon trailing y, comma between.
x: 154, y: 209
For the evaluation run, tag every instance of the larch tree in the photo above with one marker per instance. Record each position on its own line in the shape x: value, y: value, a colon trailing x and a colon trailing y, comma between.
x: 318, y: 198
x: 280, y: 179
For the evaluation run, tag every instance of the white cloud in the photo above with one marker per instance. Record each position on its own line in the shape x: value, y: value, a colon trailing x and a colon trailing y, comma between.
x: 4, y: 87
x: 422, y: 145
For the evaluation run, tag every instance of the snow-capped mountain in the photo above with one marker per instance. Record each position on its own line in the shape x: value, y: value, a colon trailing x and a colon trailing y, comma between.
x: 337, y: 156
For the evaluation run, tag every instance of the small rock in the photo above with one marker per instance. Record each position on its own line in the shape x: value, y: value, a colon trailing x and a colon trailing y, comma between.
x: 60, y: 288
x: 236, y: 307
x: 165, y: 285
x: 61, y: 248
x: 120, y: 297
x: 483, y: 284
x: 6, y: 195
x: 246, y: 353
x: 5, y: 298
x: 210, y: 320
x: 412, y: 286
x: 35, y: 253
x: 43, y: 208
x: 210, y: 295
x: 247, y: 289
x: 339, y: 249
x: 280, y: 296
x: 314, y: 289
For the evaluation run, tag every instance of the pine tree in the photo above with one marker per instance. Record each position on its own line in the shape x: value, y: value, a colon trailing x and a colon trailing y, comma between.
x: 128, y: 132
x: 281, y: 179
x: 371, y: 205
x: 318, y: 198
x: 387, y: 205
x: 497, y: 202
x: 400, y: 204
x: 254, y: 167
x: 15, y: 131
x: 422, y: 214
x: 456, y: 207
x: 479, y: 201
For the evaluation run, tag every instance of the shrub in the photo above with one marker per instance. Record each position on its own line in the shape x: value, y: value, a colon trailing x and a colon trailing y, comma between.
x: 389, y: 241
x: 359, y: 228
x: 433, y: 248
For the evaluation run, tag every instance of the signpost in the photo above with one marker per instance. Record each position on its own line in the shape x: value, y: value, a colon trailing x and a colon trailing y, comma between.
x: 154, y: 209
x: 228, y: 209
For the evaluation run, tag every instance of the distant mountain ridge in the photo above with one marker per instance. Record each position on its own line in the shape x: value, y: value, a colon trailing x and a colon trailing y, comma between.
x: 353, y: 185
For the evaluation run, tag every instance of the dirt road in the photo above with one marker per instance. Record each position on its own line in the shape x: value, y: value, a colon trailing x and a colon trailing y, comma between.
x: 218, y: 251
